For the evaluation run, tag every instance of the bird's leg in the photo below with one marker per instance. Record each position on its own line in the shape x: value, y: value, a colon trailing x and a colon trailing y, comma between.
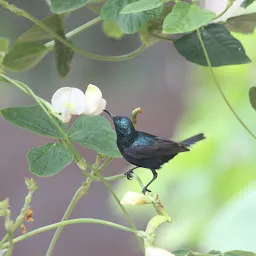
x: 129, y: 173
x: 145, y: 189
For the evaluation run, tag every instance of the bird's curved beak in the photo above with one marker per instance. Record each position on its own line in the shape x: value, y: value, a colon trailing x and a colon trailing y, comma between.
x: 109, y: 113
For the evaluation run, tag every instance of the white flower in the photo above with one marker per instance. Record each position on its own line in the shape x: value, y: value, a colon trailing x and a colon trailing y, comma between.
x: 94, y: 101
x: 133, y: 198
x: 70, y: 101
x: 154, y: 251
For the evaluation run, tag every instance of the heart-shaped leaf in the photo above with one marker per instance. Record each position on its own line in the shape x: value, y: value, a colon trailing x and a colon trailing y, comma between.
x: 60, y: 6
x: 36, y: 33
x: 128, y: 23
x: 95, y: 133
x: 222, y: 48
x: 141, y: 6
x: 24, y: 55
x: 186, y: 18
x: 32, y: 119
x: 49, y: 159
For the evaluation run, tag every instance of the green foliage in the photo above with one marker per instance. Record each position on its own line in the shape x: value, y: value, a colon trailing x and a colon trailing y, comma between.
x: 128, y: 23
x: 32, y: 119
x: 49, y: 159
x: 246, y: 3
x: 252, y: 96
x: 222, y: 48
x: 244, y: 24
x: 183, y: 252
x: 4, y: 45
x: 63, y: 54
x: 24, y: 55
x: 186, y: 18
x: 111, y: 29
x: 36, y: 33
x: 194, y: 187
x: 95, y: 133
x: 141, y: 6
x: 60, y: 6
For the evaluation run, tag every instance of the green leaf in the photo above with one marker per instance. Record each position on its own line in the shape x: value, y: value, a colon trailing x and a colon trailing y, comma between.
x: 36, y: 33
x: 60, y: 6
x: 252, y: 96
x: 222, y: 48
x: 111, y: 29
x: 32, y: 119
x: 49, y: 159
x: 4, y: 45
x: 186, y: 18
x: 246, y: 3
x: 140, y: 6
x: 183, y: 252
x: 63, y: 53
x: 24, y: 55
x: 95, y: 133
x: 239, y: 253
x: 244, y: 24
x: 128, y: 23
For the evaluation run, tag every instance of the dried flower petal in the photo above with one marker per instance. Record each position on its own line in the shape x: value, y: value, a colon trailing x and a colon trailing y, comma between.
x: 134, y: 198
x: 154, y: 251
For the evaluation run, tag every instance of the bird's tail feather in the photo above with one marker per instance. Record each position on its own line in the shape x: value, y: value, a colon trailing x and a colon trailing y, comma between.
x: 193, y: 139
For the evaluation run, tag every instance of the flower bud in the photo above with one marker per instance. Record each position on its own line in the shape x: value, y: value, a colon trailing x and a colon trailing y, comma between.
x: 133, y: 198
x: 154, y: 251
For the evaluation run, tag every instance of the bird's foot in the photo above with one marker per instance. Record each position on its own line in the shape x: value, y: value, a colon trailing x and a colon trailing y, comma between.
x: 144, y: 190
x: 129, y: 174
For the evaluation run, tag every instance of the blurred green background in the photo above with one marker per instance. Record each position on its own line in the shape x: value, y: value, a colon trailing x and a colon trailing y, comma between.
x: 210, y: 192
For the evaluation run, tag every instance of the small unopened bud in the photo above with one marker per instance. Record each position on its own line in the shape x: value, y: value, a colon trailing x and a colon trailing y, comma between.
x: 135, y: 113
x: 154, y: 251
x: 133, y: 198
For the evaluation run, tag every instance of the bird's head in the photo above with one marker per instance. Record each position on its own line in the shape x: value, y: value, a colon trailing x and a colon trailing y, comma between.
x: 123, y: 125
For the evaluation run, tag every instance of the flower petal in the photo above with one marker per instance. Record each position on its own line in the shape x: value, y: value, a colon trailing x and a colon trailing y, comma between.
x: 93, y: 97
x: 65, y: 115
x: 100, y: 108
x: 68, y: 97
x: 133, y: 198
x: 154, y: 251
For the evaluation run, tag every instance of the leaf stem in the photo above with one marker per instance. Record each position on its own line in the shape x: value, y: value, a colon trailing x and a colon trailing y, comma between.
x: 162, y: 37
x: 229, y: 4
x: 129, y: 219
x: 77, y: 196
x: 10, y: 244
x: 218, y: 85
x: 89, y: 55
x: 69, y: 222
x: 77, y: 30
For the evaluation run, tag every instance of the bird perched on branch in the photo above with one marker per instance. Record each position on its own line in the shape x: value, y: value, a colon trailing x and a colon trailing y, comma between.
x: 145, y: 150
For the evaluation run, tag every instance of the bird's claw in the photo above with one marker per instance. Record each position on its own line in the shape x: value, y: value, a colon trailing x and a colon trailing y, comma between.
x: 144, y: 190
x: 129, y: 175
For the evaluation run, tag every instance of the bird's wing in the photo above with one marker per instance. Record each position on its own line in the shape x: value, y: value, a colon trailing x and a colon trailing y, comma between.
x: 160, y: 147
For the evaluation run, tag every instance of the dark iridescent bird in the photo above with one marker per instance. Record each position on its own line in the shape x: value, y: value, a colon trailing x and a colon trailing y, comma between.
x: 145, y: 150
